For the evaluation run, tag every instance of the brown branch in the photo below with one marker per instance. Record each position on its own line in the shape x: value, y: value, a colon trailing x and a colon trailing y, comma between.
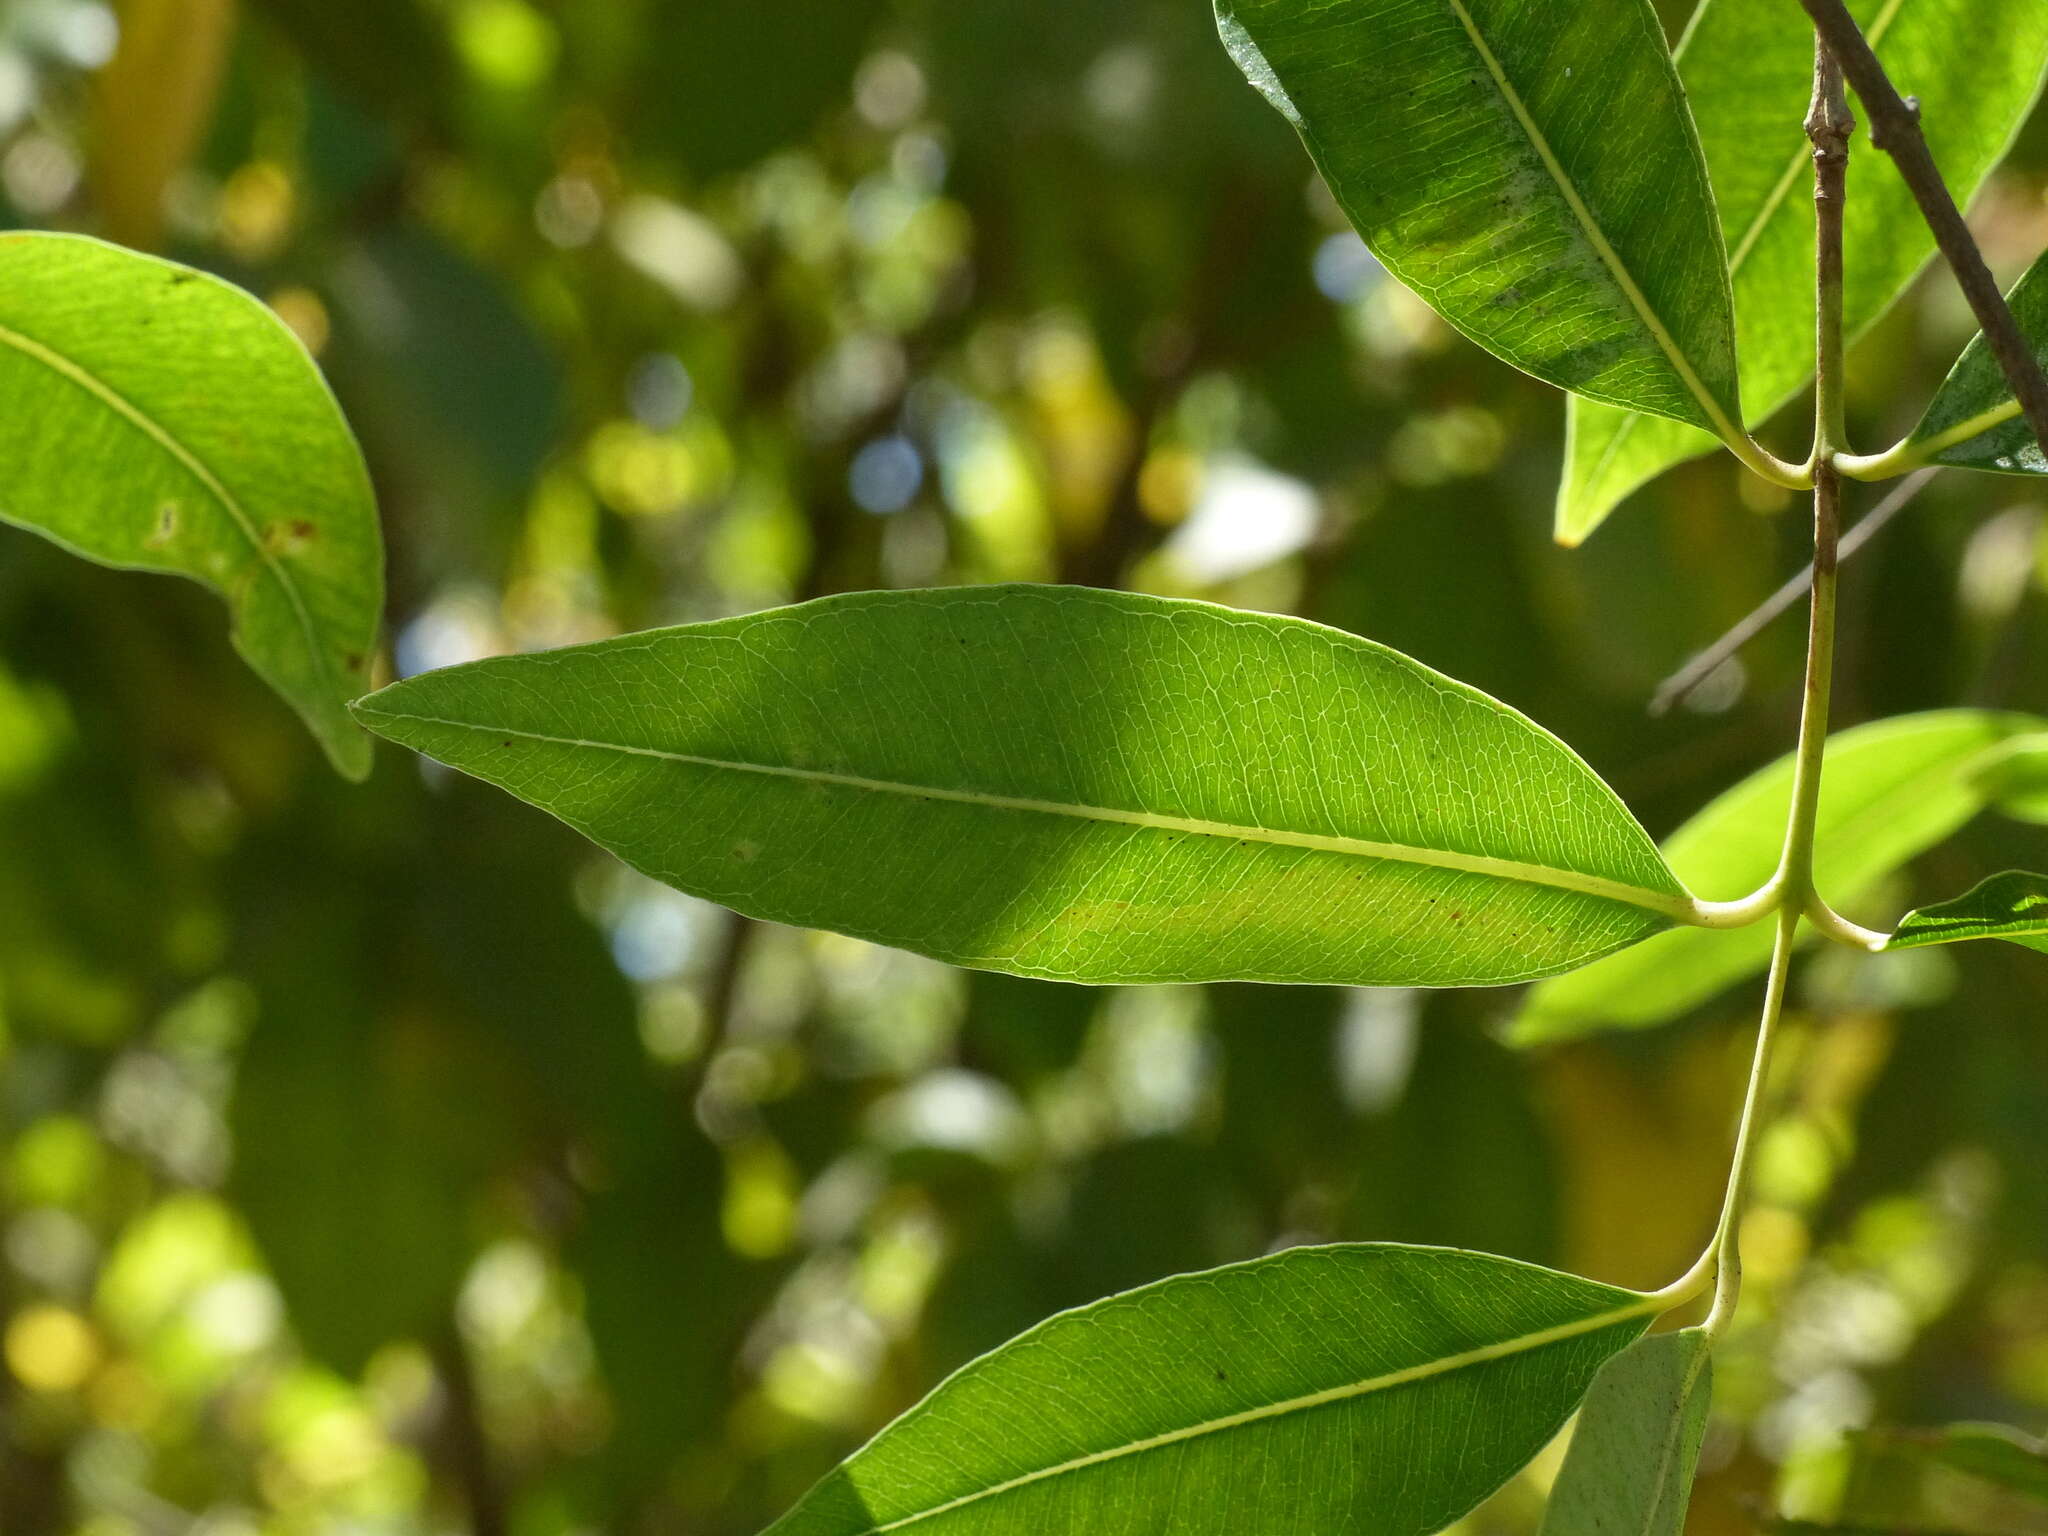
x: 1895, y: 129
x: 464, y: 1443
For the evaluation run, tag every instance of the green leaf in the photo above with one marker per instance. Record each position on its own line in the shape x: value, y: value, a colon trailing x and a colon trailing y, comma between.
x: 1995, y: 1453
x: 1060, y: 782
x: 1975, y: 65
x: 1370, y: 1389
x: 2017, y: 780
x: 162, y: 420
x: 1892, y: 790
x: 1530, y: 169
x: 1630, y: 1467
x: 2011, y: 906
x: 1974, y: 421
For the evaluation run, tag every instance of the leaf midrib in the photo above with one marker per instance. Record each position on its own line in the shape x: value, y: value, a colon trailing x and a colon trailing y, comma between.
x: 1501, y: 1349
x: 1741, y: 251
x: 193, y: 465
x: 1675, y: 908
x: 1672, y: 1439
x: 1595, y: 235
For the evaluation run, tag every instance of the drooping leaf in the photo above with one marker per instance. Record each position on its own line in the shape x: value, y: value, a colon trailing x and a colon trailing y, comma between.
x: 1994, y: 1452
x: 1530, y: 169
x: 1068, y: 783
x: 2017, y: 780
x: 1371, y: 1389
x: 158, y: 419
x: 1974, y: 421
x: 1892, y: 790
x: 1630, y: 1467
x: 2011, y: 906
x: 1976, y: 67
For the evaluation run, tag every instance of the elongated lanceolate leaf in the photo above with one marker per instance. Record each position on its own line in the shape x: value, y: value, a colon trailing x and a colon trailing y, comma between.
x: 2017, y: 780
x: 1069, y: 783
x: 1996, y: 1453
x: 1529, y: 168
x: 1892, y: 790
x: 1369, y: 1390
x: 1630, y: 1468
x: 1974, y: 421
x: 158, y: 419
x: 2010, y: 906
x: 1976, y: 67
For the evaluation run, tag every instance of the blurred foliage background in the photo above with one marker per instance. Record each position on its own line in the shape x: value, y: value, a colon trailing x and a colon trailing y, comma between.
x: 386, y: 1161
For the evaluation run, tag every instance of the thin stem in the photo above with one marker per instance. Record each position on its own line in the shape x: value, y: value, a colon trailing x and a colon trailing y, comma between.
x: 1675, y: 689
x: 1830, y: 924
x: 1828, y: 125
x: 1895, y: 129
x: 1726, y: 1248
x: 1760, y: 461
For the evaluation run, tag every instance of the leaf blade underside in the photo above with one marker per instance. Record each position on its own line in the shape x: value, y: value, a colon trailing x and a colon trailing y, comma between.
x: 1069, y: 783
x: 165, y: 421
x: 1298, y: 1390
x: 1629, y: 1470
x: 2012, y: 906
x: 1529, y: 169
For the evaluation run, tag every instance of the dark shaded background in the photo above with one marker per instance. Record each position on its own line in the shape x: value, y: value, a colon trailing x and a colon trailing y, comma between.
x: 387, y: 1160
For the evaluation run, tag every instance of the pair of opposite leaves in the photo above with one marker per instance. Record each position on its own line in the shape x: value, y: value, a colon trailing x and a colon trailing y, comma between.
x: 1636, y: 232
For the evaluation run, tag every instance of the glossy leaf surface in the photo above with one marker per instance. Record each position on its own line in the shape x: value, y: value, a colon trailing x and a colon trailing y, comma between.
x: 158, y: 419
x: 1892, y: 790
x: 1975, y: 65
x: 1069, y: 783
x: 1974, y: 422
x: 1630, y: 1467
x: 2011, y: 906
x: 1370, y: 1389
x: 1529, y: 168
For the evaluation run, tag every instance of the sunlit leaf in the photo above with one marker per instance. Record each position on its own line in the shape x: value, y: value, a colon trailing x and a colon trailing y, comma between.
x: 1892, y: 790
x: 1528, y: 168
x: 1974, y: 421
x: 1976, y: 67
x: 1630, y: 1467
x: 1373, y: 1390
x: 159, y: 419
x: 2011, y: 906
x: 1069, y: 783
x: 2017, y: 780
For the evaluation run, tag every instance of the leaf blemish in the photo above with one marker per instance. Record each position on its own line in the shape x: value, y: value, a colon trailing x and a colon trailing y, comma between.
x: 166, y: 529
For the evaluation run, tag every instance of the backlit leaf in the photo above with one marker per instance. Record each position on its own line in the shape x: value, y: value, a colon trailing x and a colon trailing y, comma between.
x: 1630, y: 1467
x: 2012, y: 906
x: 1976, y: 67
x: 1974, y: 421
x: 1371, y: 1389
x: 1892, y: 790
x: 1061, y: 782
x: 1529, y: 168
x: 158, y: 419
